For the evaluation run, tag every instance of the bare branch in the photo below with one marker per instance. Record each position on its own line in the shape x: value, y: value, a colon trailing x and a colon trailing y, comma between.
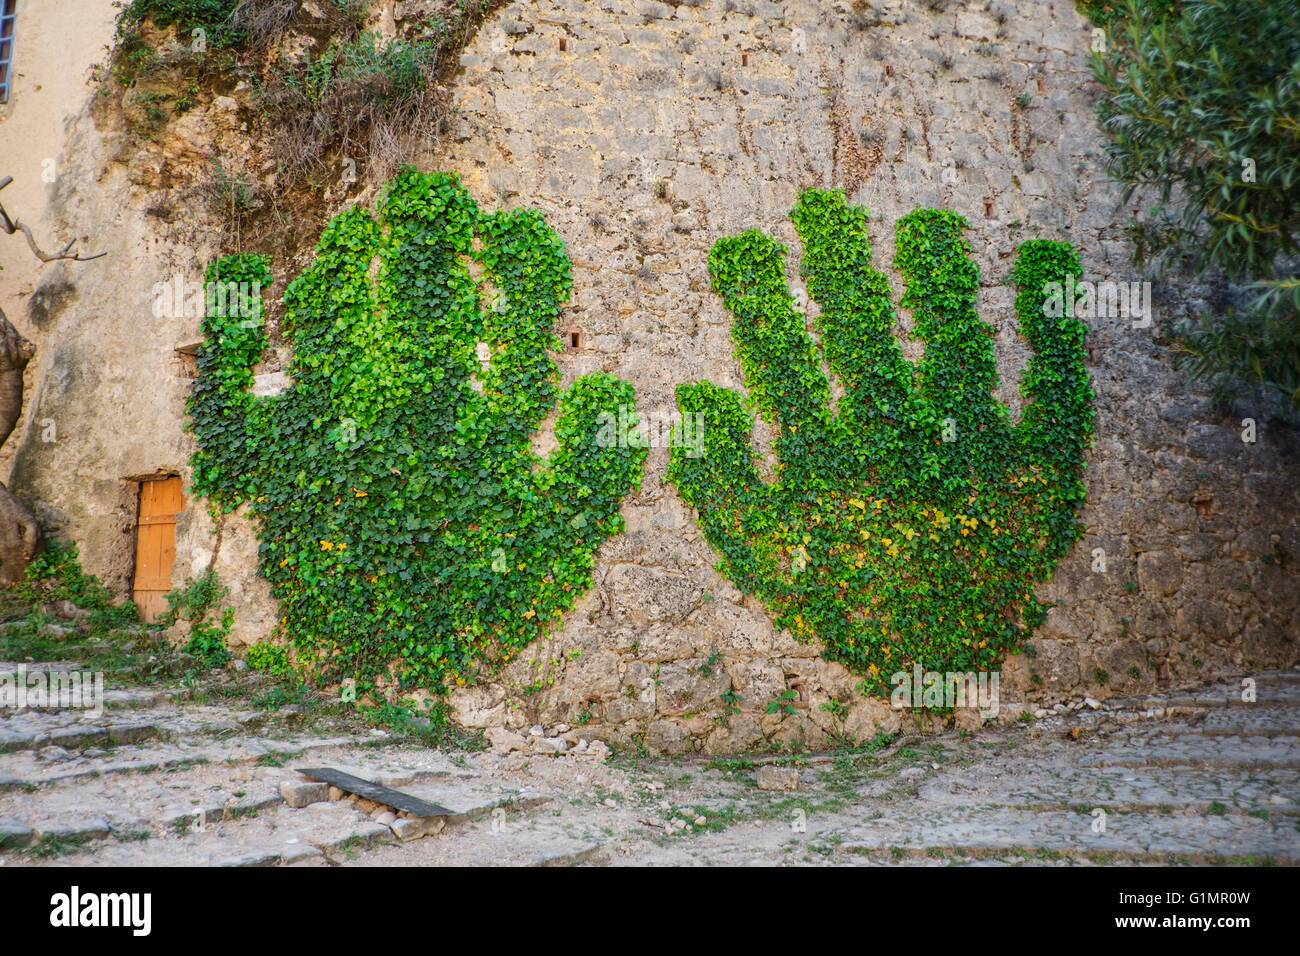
x: 63, y: 253
x: 10, y: 226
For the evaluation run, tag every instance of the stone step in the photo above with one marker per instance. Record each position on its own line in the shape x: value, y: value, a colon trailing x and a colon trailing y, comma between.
x: 1145, y: 835
x: 234, y: 799
x: 75, y: 729
x: 1273, y: 721
x: 1248, y: 719
x: 506, y: 841
x: 470, y: 797
x: 275, y: 837
x: 975, y: 856
x: 331, y: 830
x: 37, y: 769
x: 147, y: 805
x: 1273, y: 688
x: 114, y: 698
x: 79, y: 735
x: 1187, y: 746
x: 1154, y: 788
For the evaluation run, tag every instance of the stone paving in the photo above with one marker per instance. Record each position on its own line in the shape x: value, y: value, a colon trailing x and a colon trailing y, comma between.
x: 167, y: 777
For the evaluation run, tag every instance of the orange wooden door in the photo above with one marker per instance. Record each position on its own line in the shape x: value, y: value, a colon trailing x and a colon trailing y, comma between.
x: 155, y: 544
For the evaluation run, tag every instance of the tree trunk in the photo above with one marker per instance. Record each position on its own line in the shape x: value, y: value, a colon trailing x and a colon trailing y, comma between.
x: 20, y: 535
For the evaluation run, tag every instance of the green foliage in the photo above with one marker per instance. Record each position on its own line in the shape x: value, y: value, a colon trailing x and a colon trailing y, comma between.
x: 1204, y: 108
x: 1255, y: 341
x: 430, y: 724
x: 211, y: 16
x: 706, y: 669
x: 271, y: 658
x: 109, y: 639
x: 784, y: 703
x: 408, y: 530
x: 55, y: 574
x: 208, y: 639
x: 1104, y: 12
x: 388, y: 71
x: 194, y: 600
x: 228, y: 24
x: 361, y: 95
x: 878, y: 536
x: 836, y: 708
x: 197, y: 603
x: 228, y: 193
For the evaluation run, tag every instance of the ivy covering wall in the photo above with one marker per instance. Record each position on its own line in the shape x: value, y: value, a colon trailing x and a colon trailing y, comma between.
x: 909, y: 521
x: 409, y: 532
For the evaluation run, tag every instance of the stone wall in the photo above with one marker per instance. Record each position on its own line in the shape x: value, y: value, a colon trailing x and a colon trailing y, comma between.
x: 659, y: 128
x: 644, y: 131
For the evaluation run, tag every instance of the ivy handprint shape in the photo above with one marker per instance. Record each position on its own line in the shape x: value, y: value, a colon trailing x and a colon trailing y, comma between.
x: 908, y: 521
x: 409, y: 531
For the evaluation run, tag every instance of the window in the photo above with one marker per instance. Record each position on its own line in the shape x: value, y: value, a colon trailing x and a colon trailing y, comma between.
x: 6, y: 46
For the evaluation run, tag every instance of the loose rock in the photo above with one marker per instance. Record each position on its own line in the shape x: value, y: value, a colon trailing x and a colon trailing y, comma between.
x: 778, y: 778
x: 299, y: 794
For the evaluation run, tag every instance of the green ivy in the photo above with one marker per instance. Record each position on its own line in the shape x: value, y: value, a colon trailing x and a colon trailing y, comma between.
x: 272, y: 658
x: 909, y: 523
x: 197, y: 603
x: 1104, y: 12
x: 409, y: 532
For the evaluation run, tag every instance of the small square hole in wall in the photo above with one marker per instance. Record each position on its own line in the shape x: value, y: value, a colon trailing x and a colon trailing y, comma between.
x: 573, y: 340
x: 186, y: 364
x: 1203, y: 502
x: 800, y: 686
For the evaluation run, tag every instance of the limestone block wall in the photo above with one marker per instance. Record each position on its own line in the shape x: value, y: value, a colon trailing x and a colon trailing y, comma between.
x: 656, y: 129
x: 644, y: 131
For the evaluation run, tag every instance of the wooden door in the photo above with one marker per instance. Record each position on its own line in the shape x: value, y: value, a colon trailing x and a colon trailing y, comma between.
x: 155, y: 544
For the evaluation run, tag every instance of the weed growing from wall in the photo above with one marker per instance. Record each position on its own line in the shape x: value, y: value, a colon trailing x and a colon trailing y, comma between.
x: 910, y: 523
x: 409, y: 532
x: 198, y: 602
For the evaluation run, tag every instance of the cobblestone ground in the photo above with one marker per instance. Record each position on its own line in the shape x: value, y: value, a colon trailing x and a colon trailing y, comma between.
x: 167, y: 777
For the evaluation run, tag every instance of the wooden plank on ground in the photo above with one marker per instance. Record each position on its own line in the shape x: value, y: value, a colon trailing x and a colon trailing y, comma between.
x: 373, y: 791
